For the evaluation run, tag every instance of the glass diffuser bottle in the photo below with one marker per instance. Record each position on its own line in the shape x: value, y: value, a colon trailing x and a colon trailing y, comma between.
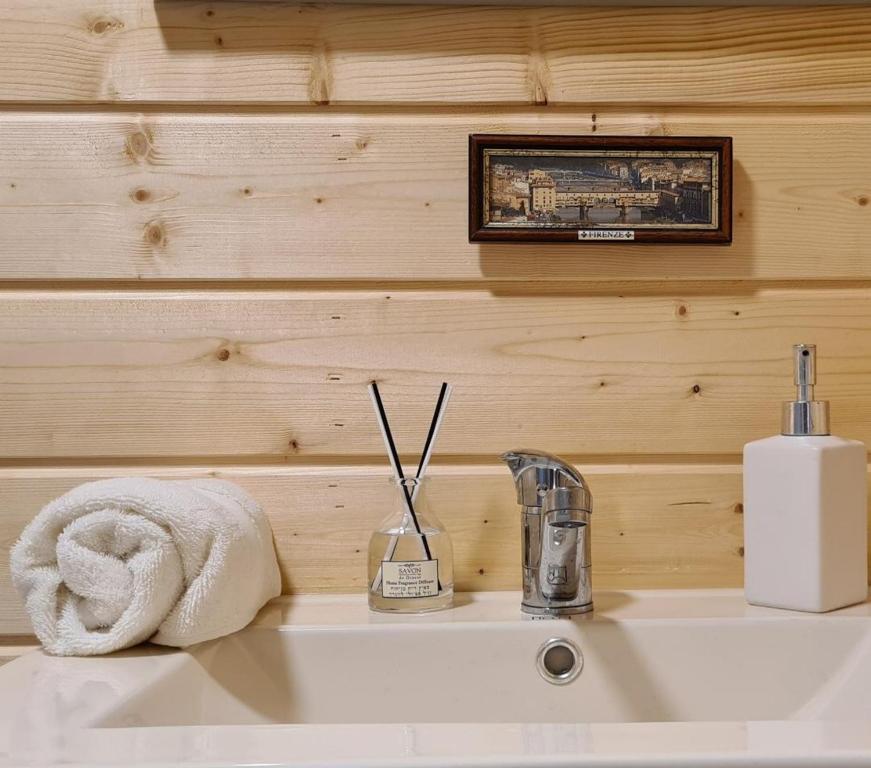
x: 411, y: 563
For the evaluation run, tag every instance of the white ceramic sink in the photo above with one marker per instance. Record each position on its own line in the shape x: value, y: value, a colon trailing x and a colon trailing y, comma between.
x: 669, y: 678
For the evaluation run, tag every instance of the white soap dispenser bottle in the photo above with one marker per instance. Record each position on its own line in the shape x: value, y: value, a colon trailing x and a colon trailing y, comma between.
x: 805, y: 508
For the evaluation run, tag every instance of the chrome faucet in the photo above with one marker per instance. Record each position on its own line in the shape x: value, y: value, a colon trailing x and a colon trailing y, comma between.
x: 555, y: 530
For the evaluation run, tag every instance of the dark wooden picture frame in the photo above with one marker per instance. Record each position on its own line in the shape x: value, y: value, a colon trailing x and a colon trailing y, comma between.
x: 614, y: 177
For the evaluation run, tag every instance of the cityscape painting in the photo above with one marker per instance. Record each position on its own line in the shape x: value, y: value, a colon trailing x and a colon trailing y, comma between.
x: 595, y: 189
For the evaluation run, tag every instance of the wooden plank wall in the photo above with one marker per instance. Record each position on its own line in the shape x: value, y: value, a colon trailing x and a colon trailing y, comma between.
x: 218, y: 220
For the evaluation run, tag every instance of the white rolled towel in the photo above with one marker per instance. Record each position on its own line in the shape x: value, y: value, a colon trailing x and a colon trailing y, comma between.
x: 116, y: 562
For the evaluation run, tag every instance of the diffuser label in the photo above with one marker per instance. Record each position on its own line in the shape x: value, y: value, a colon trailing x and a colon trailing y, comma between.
x: 413, y: 578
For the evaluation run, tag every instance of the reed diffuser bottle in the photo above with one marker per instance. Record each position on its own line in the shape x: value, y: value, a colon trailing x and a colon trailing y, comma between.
x: 411, y: 562
x: 410, y: 556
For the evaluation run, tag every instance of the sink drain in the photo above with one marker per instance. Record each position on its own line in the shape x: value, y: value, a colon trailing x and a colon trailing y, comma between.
x: 559, y: 661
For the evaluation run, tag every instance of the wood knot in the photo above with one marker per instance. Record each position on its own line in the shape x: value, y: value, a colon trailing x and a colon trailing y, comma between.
x: 320, y: 82
x: 219, y: 41
x: 740, y: 551
x: 361, y: 144
x: 738, y: 509
x: 480, y: 571
x: 105, y: 25
x: 139, y: 146
x: 223, y: 355
x: 696, y: 389
x: 155, y: 234
x: 538, y: 75
x: 682, y: 310
x: 247, y: 192
x: 862, y: 200
x: 141, y: 195
x: 293, y: 445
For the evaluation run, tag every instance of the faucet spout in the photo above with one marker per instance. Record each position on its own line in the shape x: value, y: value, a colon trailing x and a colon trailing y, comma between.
x: 537, y: 472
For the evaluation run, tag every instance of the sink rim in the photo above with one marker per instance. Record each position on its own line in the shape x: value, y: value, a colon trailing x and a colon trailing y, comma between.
x: 320, y: 611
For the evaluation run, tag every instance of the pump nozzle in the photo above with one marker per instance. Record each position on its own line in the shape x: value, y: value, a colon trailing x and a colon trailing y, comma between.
x: 804, y: 415
x: 805, y: 364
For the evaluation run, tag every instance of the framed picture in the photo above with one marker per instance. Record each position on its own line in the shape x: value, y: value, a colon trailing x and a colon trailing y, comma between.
x: 598, y: 189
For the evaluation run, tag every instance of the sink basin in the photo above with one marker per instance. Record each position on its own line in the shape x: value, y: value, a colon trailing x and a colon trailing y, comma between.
x: 663, y: 678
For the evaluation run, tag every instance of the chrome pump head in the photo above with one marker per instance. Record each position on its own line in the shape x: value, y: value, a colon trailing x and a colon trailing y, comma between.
x: 804, y: 415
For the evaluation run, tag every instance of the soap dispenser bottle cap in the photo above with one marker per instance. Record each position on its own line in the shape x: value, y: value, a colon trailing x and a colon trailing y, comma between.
x: 804, y: 415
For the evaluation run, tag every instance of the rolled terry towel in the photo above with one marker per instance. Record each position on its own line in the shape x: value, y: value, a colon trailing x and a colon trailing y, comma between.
x: 116, y: 562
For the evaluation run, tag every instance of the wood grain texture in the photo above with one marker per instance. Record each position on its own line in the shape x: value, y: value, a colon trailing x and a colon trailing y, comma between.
x: 327, y: 143
x: 232, y: 52
x: 656, y: 526
x: 384, y: 197
x: 282, y: 374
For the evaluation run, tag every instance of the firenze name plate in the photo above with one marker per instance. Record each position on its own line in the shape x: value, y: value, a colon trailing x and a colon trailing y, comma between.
x: 606, y: 234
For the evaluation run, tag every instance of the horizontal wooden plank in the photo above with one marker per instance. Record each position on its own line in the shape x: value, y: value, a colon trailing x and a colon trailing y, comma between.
x: 192, y: 51
x: 375, y: 197
x: 283, y: 374
x: 655, y: 526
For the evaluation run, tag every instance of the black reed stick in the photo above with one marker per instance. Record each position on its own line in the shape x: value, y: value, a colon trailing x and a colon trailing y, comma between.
x: 433, y: 429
